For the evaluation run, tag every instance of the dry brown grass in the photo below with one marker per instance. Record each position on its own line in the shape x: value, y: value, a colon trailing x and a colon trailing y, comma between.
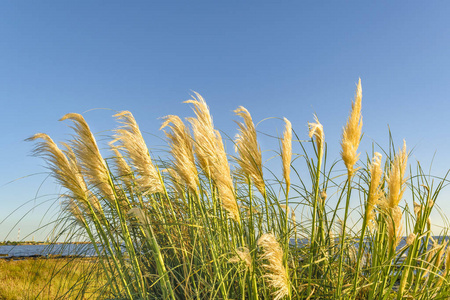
x: 51, y: 279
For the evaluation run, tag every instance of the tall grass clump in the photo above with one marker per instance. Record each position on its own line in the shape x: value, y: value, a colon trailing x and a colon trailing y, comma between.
x: 201, y: 223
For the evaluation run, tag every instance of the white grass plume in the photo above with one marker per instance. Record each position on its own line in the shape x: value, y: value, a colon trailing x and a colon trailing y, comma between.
x: 211, y: 155
x: 75, y: 211
x: 394, y: 225
x: 242, y: 255
x: 246, y: 144
x: 316, y: 131
x: 204, y: 134
x: 375, y: 192
x: 124, y: 172
x: 276, y: 272
x: 65, y: 170
x: 182, y: 151
x: 410, y: 239
x: 88, y: 155
x: 130, y: 138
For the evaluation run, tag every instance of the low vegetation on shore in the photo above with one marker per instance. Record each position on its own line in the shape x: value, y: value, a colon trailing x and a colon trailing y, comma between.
x: 60, y: 278
x: 206, y: 224
x: 19, y: 243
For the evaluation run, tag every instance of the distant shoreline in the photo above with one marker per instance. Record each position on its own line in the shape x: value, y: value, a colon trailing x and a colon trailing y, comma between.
x: 12, y: 243
x: 45, y: 257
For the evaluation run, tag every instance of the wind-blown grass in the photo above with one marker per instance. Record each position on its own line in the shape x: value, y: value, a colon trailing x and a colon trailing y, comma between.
x: 204, y: 224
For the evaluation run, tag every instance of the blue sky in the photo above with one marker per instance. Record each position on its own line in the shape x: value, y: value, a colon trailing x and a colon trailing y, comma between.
x: 278, y: 59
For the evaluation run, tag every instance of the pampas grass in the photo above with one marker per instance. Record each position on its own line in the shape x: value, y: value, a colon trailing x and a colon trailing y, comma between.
x: 211, y: 155
x: 130, y: 139
x: 352, y: 133
x: 276, y: 274
x: 182, y: 151
x: 246, y: 144
x: 286, y: 153
x: 192, y: 225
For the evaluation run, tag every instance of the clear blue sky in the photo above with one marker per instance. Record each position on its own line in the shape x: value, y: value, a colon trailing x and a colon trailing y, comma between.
x: 278, y: 59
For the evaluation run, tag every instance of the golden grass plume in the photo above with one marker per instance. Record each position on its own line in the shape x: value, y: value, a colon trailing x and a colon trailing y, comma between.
x: 286, y: 153
x: 396, y: 184
x: 131, y: 141
x: 181, y: 148
x: 123, y: 169
x: 352, y: 133
x: 276, y: 272
x: 204, y: 134
x: 418, y: 210
x: 396, y: 178
x: 410, y: 239
x: 246, y: 144
x: 91, y: 161
x: 211, y: 155
x: 66, y: 171
x: 316, y: 131
x: 394, y: 225
x: 375, y: 191
x: 242, y: 254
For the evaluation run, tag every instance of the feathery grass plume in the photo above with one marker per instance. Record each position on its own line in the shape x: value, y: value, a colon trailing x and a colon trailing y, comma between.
x: 440, y: 255
x: 410, y: 239
x: 182, y: 150
x: 323, y: 196
x: 286, y: 153
x: 140, y: 215
x: 394, y: 225
x: 352, y: 133
x: 331, y: 237
x: 245, y: 209
x: 316, y: 131
x: 446, y: 267
x: 375, y: 192
x: 211, y: 155
x: 141, y: 218
x: 430, y: 201
x: 92, y: 164
x: 396, y: 183
x: 204, y: 134
x: 75, y: 211
x: 91, y: 198
x: 447, y: 261
x: 246, y: 144
x: 353, y: 254
x: 124, y: 174
x: 242, y: 254
x: 130, y: 138
x: 418, y: 208
x: 63, y: 169
x: 124, y: 171
x: 434, y: 257
x: 222, y: 178
x: 286, y: 208
x: 396, y: 179
x: 276, y: 273
x: 341, y: 230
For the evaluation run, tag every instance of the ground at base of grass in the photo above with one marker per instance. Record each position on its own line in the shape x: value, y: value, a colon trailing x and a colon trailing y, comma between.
x: 54, y: 278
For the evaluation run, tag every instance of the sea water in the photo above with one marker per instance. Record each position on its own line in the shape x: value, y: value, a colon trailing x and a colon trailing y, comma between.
x: 66, y: 249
